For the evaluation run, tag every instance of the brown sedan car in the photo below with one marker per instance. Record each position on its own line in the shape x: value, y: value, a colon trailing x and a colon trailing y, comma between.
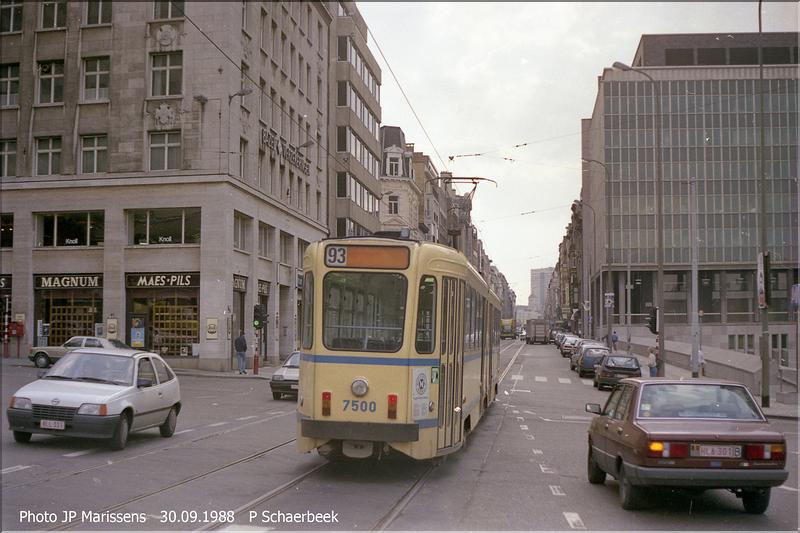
x: 696, y: 434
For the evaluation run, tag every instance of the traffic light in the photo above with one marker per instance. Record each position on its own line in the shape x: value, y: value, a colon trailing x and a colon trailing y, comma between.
x: 652, y: 321
x: 259, y: 316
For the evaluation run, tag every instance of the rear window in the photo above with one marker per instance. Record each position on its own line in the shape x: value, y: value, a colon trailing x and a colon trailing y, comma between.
x: 689, y: 400
x: 622, y: 362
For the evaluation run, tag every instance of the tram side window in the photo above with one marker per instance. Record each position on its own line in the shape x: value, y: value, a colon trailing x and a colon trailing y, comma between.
x: 308, y: 311
x: 445, y: 313
x: 363, y: 311
x: 426, y: 315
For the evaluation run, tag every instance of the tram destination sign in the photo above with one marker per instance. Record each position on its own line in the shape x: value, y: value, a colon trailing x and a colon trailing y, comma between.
x: 360, y: 256
x: 160, y: 280
x: 68, y: 281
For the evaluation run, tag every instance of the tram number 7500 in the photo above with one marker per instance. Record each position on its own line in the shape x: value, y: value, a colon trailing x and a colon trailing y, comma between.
x: 363, y: 406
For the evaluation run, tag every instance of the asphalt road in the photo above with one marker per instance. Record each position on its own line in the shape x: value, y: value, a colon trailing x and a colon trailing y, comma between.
x: 232, y: 464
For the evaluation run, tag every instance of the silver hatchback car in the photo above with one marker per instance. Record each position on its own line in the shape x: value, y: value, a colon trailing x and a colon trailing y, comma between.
x: 98, y: 393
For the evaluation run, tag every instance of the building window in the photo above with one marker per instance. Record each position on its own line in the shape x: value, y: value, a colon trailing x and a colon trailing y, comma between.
x: 244, y: 84
x: 679, y: 56
x: 319, y: 205
x: 10, y: 16
x: 242, y: 158
x: 394, y: 166
x: 265, y: 239
x: 98, y: 12
x: 167, y: 74
x: 244, y: 15
x: 95, y: 154
x: 6, y: 230
x: 286, y: 248
x: 168, y: 10
x: 741, y: 343
x: 241, y: 229
x: 70, y: 229
x: 95, y: 78
x: 165, y: 150
x: 9, y: 85
x: 48, y: 156
x: 743, y: 56
x: 8, y: 158
x: 394, y: 205
x: 265, y: 38
x: 54, y: 14
x: 164, y: 226
x: 51, y: 82
x: 265, y: 107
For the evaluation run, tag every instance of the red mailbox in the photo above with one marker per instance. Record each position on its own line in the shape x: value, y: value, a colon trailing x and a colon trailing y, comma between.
x: 16, y: 329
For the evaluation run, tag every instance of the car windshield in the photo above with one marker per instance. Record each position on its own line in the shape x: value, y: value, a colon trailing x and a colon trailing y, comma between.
x: 623, y: 362
x: 99, y: 368
x: 596, y: 352
x: 690, y: 400
x: 363, y: 311
x: 293, y: 361
x: 119, y: 344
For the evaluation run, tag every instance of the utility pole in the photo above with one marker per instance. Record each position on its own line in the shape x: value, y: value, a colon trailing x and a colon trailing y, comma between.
x: 695, y: 277
x: 762, y: 223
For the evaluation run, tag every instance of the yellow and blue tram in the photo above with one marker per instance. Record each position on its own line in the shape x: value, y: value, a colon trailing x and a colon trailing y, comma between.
x: 399, y: 348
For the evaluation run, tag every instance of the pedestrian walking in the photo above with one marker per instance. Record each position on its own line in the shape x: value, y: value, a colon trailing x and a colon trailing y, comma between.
x: 701, y: 362
x: 652, y: 362
x: 614, y: 339
x: 240, y: 345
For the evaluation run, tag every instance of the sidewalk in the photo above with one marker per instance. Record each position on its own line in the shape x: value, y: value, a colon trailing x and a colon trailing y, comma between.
x: 775, y: 410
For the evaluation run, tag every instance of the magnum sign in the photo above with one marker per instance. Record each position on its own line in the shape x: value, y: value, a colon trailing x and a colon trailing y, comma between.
x: 162, y: 280
x: 68, y: 281
x: 285, y: 151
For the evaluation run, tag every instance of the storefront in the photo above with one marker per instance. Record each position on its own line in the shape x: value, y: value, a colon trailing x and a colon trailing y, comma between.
x: 237, y: 324
x: 162, y: 312
x: 5, y: 299
x: 263, y: 299
x: 66, y: 305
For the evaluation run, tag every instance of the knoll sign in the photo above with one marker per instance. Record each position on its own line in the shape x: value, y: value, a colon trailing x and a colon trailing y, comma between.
x: 284, y: 151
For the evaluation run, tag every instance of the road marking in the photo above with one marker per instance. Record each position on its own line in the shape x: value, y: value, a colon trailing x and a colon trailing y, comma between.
x: 542, y: 379
x: 568, y: 421
x: 557, y: 490
x: 183, y: 431
x: 537, y: 451
x: 790, y: 489
x: 216, y: 425
x: 587, y: 382
x: 13, y: 469
x: 530, y: 437
x: 528, y: 412
x: 516, y: 377
x: 546, y: 469
x: 520, y: 418
x: 82, y: 452
x: 574, y: 520
x: 523, y: 427
x: 515, y: 411
x: 577, y: 417
x: 564, y: 380
x: 247, y: 417
x: 510, y: 363
x: 520, y: 390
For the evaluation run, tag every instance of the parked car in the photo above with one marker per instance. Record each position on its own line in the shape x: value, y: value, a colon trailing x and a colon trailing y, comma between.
x: 588, y: 359
x: 44, y: 356
x: 98, y: 393
x: 584, y: 343
x: 698, y: 435
x: 285, y: 380
x: 566, y: 346
x: 613, y: 367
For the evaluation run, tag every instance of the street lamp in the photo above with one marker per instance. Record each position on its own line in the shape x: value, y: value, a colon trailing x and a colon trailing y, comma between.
x: 659, y: 210
x: 240, y: 92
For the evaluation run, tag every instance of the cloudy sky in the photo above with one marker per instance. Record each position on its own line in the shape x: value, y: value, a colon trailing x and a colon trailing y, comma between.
x: 484, y: 77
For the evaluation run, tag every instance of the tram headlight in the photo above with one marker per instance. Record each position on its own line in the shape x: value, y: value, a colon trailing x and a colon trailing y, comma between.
x: 359, y: 387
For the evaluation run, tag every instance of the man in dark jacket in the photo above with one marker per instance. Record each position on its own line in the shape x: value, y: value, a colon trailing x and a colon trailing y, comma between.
x: 240, y: 345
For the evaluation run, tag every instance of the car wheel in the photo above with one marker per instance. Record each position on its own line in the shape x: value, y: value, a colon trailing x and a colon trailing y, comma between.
x: 276, y: 395
x: 630, y: 496
x: 580, y: 373
x: 120, y: 438
x: 595, y: 474
x: 23, y: 437
x: 594, y: 384
x: 168, y: 427
x: 756, y: 501
x: 41, y: 360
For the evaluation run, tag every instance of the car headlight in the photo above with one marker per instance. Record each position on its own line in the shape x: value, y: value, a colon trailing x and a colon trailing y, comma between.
x: 277, y: 377
x: 98, y: 409
x: 21, y: 403
x: 359, y: 387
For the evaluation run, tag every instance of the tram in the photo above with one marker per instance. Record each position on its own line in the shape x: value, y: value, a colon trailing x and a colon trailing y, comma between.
x: 400, y: 347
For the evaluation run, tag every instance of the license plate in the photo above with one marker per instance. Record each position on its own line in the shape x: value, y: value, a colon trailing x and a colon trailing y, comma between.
x: 293, y: 387
x: 710, y: 450
x: 51, y: 424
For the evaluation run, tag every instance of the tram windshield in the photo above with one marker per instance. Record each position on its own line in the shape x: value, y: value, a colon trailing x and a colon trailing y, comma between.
x: 364, y: 311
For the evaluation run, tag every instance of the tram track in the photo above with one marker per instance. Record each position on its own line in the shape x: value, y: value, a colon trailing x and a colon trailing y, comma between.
x: 185, y: 481
x: 395, y: 510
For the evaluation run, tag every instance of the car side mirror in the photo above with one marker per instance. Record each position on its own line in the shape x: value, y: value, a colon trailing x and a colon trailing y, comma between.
x: 593, y: 408
x: 41, y: 373
x: 144, y: 383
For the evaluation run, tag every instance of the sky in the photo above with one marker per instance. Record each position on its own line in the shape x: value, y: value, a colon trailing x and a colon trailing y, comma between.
x: 483, y: 77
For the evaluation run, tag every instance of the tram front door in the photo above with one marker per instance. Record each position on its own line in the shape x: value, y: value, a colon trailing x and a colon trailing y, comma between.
x: 450, y: 368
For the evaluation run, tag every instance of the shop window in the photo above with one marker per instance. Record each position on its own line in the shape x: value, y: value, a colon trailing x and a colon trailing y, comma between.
x: 164, y: 226
x: 6, y: 230
x: 168, y: 10
x: 742, y: 343
x: 70, y: 229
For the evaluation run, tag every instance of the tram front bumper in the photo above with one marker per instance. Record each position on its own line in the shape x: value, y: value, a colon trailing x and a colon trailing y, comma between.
x: 372, y: 431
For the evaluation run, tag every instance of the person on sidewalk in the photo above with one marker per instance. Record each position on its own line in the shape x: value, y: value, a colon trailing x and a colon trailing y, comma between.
x: 701, y: 362
x: 652, y: 362
x: 240, y: 345
x: 614, y: 339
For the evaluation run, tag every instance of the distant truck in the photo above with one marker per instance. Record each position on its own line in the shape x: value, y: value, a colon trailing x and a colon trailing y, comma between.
x: 536, y: 331
x: 508, y: 329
